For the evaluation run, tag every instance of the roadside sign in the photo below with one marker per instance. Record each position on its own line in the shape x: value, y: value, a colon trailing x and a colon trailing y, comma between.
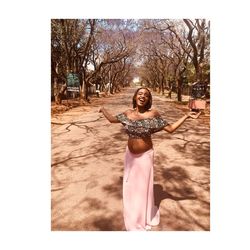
x: 73, y: 82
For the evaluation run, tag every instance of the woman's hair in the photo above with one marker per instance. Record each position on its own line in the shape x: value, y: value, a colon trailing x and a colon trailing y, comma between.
x: 148, y: 104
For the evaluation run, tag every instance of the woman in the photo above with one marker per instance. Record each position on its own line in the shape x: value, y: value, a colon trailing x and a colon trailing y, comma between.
x: 140, y: 212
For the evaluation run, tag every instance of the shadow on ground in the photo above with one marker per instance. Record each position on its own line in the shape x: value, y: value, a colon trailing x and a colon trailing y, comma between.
x: 87, y: 177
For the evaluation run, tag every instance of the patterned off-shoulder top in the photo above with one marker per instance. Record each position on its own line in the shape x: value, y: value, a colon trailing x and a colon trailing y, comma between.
x: 141, y: 128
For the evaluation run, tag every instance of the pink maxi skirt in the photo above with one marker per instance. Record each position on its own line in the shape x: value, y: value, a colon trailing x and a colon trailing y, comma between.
x: 140, y: 212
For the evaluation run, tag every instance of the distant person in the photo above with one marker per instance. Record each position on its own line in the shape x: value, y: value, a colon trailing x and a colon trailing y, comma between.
x: 97, y: 90
x: 140, y: 212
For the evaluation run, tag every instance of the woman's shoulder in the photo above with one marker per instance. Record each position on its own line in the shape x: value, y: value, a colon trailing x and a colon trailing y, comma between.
x: 128, y: 112
x: 154, y: 113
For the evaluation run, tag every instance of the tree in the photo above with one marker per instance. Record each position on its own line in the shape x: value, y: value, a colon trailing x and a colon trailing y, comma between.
x: 173, y: 55
x: 161, y: 51
x: 199, y: 38
x: 70, y: 45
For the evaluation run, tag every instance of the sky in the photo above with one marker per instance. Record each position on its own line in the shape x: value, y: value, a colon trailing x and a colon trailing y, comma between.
x: 25, y: 124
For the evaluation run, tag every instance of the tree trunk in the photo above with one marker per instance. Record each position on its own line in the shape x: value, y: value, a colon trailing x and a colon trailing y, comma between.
x: 179, y: 89
x: 169, y: 89
x: 82, y: 89
x: 59, y: 95
x: 54, y: 88
x: 162, y: 88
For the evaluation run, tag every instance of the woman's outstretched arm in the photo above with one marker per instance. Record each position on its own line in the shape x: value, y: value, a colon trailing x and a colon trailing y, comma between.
x: 108, y: 116
x: 170, y: 128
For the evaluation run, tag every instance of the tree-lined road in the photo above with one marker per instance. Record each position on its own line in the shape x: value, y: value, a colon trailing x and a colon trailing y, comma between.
x: 87, y: 168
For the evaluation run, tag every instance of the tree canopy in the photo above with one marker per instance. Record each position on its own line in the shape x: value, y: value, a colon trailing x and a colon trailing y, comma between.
x: 165, y: 54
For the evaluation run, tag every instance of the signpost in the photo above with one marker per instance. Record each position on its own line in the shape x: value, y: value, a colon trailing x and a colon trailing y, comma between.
x: 73, y: 85
x: 73, y: 82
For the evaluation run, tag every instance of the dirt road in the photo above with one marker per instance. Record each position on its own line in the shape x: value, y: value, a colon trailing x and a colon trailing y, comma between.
x: 87, y: 168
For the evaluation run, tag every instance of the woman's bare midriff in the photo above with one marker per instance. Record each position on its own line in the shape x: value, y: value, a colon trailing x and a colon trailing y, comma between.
x: 139, y: 145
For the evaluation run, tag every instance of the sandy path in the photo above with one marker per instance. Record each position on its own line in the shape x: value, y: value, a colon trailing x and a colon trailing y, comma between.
x: 87, y: 168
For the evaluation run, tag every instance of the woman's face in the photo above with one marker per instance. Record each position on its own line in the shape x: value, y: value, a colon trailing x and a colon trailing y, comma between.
x: 142, y: 97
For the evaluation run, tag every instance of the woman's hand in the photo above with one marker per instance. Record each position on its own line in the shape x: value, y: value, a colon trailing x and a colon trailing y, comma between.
x: 194, y: 115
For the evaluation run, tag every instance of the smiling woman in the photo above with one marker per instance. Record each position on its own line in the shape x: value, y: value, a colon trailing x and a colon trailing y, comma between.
x: 140, y: 212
